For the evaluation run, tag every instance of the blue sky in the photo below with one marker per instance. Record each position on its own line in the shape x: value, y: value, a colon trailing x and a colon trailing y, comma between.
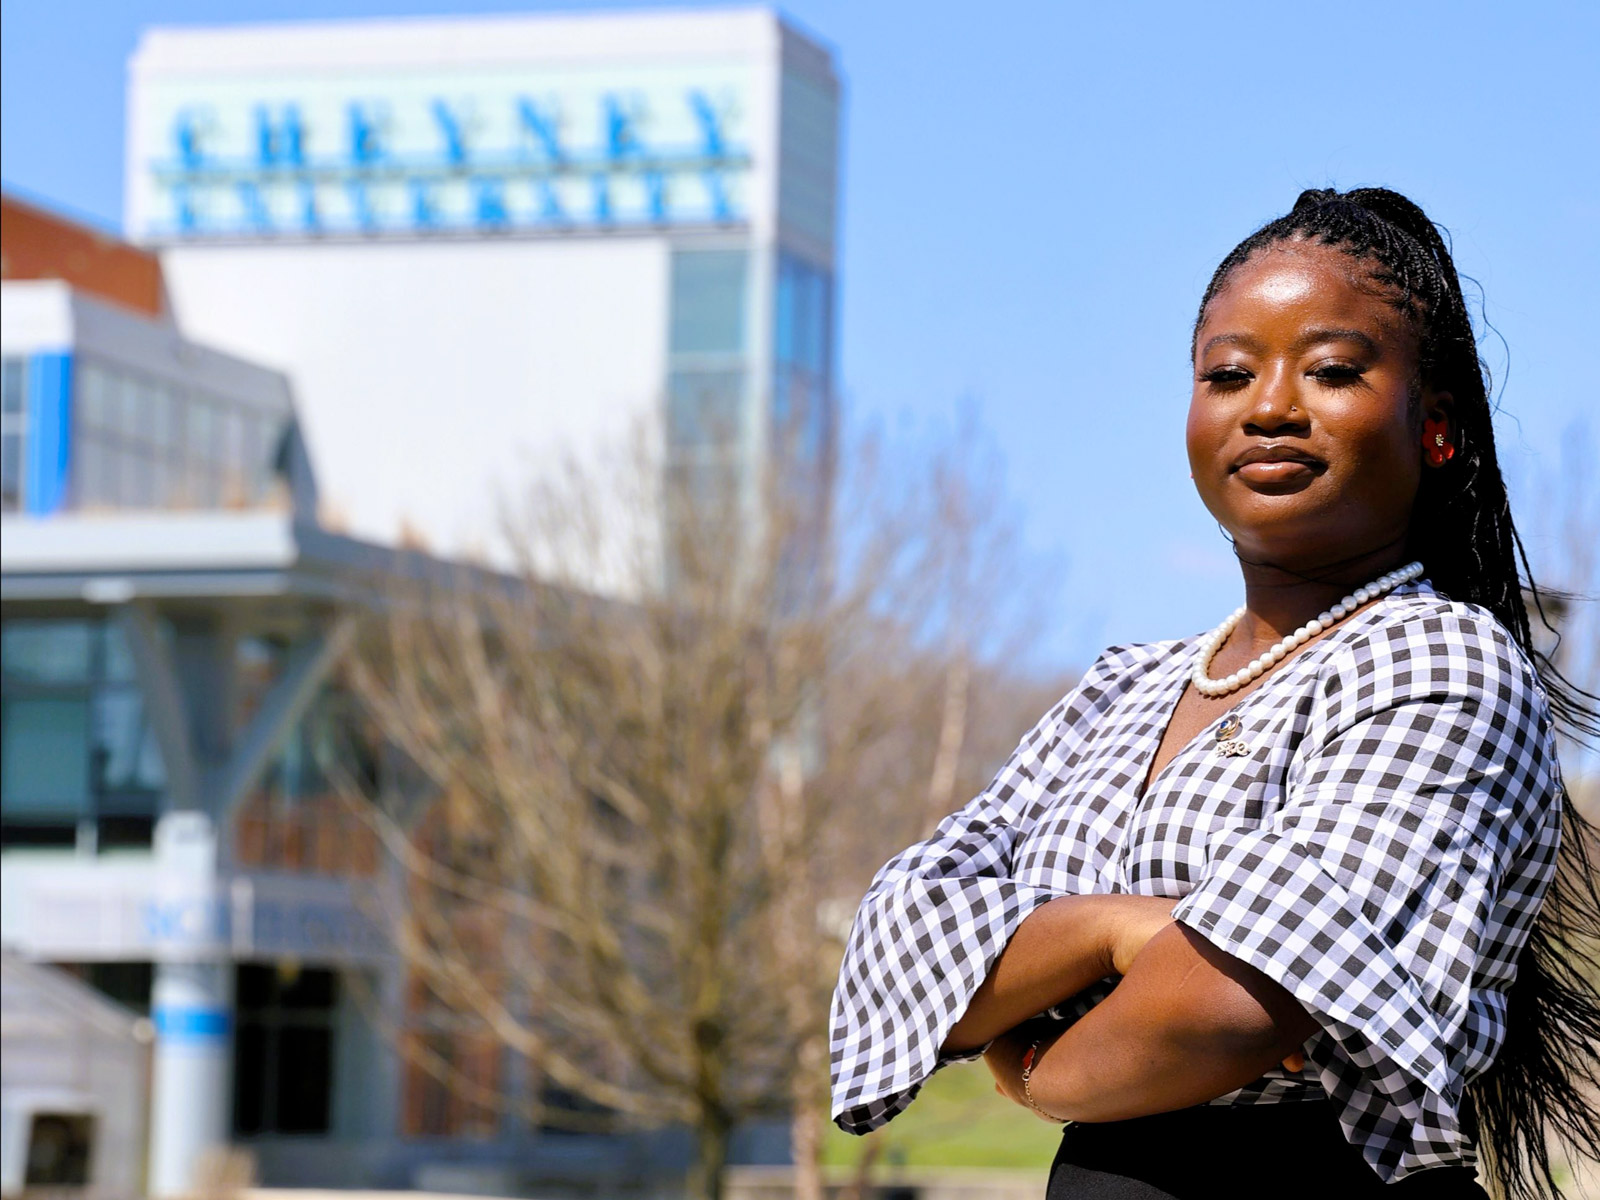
x: 1034, y: 196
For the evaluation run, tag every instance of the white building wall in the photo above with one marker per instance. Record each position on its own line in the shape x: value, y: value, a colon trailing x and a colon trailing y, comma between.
x: 432, y: 377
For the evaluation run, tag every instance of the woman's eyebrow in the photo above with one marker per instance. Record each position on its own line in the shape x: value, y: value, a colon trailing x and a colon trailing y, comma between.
x: 1312, y: 337
x: 1231, y: 339
x: 1316, y: 337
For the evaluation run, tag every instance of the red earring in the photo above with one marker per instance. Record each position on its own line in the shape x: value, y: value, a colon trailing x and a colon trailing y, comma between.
x: 1436, y: 444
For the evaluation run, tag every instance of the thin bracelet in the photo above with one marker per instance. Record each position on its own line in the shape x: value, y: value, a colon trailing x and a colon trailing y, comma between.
x: 1029, y: 1058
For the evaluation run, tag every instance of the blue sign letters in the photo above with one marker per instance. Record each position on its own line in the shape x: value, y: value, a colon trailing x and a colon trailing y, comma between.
x: 377, y: 183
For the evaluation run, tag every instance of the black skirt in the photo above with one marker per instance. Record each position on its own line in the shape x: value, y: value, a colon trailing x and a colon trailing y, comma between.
x: 1251, y: 1150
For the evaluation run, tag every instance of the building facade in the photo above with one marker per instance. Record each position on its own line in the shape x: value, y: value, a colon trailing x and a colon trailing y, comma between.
x: 174, y: 620
x: 376, y: 272
x: 171, y: 618
x: 475, y: 244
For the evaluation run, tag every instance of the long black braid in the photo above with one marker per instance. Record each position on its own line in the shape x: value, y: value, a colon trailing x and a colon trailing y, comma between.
x: 1545, y: 1083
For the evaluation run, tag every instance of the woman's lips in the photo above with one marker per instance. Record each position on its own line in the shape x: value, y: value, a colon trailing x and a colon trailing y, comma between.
x: 1281, y: 474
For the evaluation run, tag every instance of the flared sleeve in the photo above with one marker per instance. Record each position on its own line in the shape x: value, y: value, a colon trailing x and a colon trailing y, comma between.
x: 932, y: 924
x: 1396, y: 886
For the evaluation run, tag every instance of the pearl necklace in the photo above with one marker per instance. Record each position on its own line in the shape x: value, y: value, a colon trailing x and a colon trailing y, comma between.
x: 1206, y: 686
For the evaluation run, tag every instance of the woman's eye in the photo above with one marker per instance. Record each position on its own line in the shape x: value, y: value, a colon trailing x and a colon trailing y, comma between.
x: 1337, y: 374
x: 1225, y: 376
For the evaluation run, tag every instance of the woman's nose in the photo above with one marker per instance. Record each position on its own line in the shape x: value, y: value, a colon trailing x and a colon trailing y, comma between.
x: 1274, y: 405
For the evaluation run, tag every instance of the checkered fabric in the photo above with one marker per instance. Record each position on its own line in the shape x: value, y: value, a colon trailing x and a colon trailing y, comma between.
x: 1381, y: 852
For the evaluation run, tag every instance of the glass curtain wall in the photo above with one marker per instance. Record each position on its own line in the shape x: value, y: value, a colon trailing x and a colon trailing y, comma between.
x: 13, y: 429
x: 802, y: 401
x: 79, y: 763
x: 707, y: 407
x: 712, y: 447
x: 140, y: 442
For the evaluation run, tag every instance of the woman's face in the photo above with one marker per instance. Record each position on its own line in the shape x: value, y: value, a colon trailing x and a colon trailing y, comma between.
x: 1304, y: 437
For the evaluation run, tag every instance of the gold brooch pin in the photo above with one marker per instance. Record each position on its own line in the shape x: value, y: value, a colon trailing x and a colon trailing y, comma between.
x: 1228, y: 743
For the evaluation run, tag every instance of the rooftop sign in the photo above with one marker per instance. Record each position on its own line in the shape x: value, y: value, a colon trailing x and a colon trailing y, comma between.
x: 443, y: 152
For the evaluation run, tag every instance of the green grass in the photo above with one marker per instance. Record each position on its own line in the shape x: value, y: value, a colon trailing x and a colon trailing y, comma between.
x: 956, y: 1121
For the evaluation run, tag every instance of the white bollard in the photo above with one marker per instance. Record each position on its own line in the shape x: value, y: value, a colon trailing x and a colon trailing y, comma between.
x: 191, y: 1085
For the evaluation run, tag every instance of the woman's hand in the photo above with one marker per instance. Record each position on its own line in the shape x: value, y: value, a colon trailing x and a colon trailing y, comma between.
x: 1004, y: 1060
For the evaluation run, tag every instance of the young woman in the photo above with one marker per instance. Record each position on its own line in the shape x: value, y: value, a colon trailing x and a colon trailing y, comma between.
x: 1286, y: 905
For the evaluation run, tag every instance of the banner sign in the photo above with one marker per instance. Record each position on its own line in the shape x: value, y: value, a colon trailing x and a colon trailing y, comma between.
x: 418, y: 153
x: 81, y: 916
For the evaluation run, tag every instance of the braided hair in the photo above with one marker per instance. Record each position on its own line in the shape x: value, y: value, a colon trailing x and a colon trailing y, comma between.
x: 1544, y: 1083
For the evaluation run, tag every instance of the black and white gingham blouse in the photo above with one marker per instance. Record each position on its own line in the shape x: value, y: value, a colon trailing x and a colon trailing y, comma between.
x: 1381, y: 852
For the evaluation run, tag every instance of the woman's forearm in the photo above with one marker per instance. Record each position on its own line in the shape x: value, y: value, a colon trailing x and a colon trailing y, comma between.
x: 1060, y: 948
x: 1187, y: 1024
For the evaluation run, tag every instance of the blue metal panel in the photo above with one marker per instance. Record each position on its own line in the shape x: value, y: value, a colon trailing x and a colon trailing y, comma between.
x: 49, y: 433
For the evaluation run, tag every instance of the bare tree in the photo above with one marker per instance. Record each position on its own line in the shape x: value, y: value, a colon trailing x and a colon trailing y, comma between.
x: 644, y: 811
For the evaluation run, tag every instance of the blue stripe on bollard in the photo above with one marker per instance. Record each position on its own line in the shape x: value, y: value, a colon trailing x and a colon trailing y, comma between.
x: 192, y: 1024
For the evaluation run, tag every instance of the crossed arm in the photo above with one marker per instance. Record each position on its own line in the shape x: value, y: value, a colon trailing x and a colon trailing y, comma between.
x: 1187, y: 1023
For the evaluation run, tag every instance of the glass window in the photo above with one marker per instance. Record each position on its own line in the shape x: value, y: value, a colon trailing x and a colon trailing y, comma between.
x: 141, y: 442
x: 108, y: 413
x: 44, y: 758
x: 808, y: 141
x: 117, y: 666
x: 784, y: 302
x: 706, y: 408
x: 136, y: 473
x: 161, y: 410
x: 284, y: 1049
x: 803, y: 316
x: 11, y: 471
x: 234, y: 431
x: 230, y: 430
x: 93, y: 472
x: 131, y: 396
x: 255, y: 446
x: 77, y: 741
x: 708, y: 301
x: 13, y: 427
x: 140, y: 403
x: 305, y: 1079
x: 711, y: 485
x: 57, y: 1152
x: 128, y: 983
x: 47, y: 651
x: 84, y: 469
x: 111, y: 481
x: 90, y: 398
x: 801, y: 415
x: 126, y: 751
x: 200, y: 434
x: 802, y: 399
x: 13, y: 386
